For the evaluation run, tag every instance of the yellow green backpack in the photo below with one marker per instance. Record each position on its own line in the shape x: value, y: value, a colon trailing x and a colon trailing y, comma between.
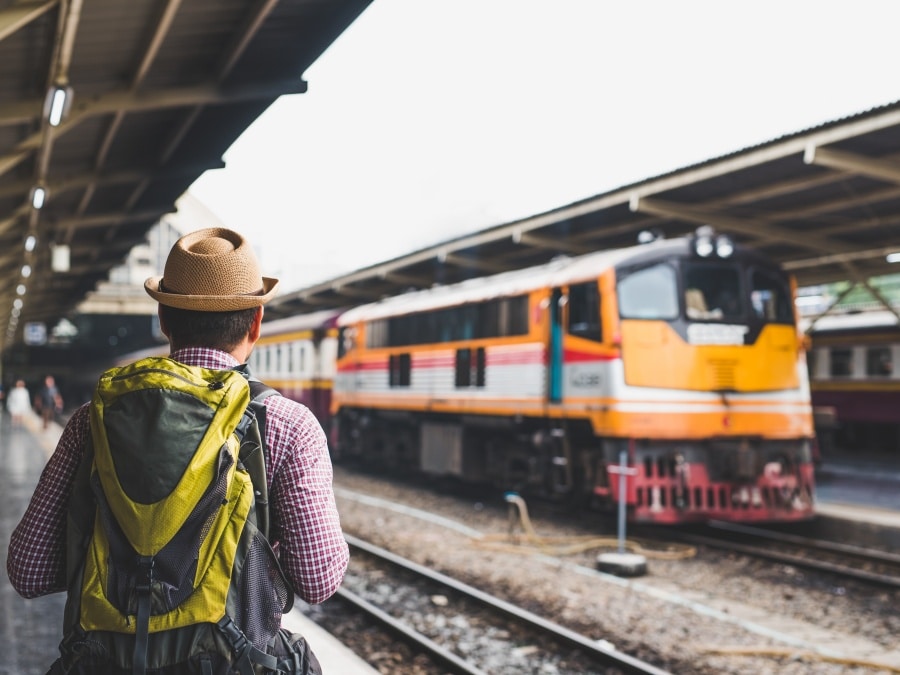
x: 169, y: 570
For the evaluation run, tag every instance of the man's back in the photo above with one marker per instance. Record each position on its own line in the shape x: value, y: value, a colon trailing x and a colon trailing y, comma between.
x: 211, y: 299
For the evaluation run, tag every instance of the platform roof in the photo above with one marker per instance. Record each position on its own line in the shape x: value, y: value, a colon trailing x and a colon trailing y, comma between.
x: 824, y: 202
x: 159, y: 90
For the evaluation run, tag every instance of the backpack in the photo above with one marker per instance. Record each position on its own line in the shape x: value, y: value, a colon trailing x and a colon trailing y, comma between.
x: 168, y: 566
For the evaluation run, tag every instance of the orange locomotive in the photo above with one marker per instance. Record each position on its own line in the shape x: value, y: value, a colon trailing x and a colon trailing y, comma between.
x: 681, y: 355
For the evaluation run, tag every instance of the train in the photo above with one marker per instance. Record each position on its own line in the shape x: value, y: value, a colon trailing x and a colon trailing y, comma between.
x: 678, y: 363
x: 854, y: 367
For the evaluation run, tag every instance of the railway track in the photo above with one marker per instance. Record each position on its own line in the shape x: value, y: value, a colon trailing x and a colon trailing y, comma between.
x: 471, y: 609
x: 851, y: 562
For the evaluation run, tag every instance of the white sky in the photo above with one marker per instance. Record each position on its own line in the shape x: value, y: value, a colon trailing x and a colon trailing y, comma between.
x: 429, y: 119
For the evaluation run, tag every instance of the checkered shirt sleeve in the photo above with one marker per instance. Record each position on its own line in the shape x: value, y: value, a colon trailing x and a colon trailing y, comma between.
x: 35, y: 560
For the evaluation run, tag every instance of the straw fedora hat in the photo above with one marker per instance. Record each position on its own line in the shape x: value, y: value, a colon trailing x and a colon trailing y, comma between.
x: 212, y: 270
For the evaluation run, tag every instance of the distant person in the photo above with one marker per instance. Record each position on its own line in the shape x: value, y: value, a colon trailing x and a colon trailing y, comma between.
x: 18, y: 402
x: 48, y: 401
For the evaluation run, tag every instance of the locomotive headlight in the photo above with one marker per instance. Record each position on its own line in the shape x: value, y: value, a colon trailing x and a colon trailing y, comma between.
x: 724, y: 246
x: 703, y: 245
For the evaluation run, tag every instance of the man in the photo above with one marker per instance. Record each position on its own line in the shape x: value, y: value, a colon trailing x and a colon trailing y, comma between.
x: 211, y: 299
x: 48, y: 401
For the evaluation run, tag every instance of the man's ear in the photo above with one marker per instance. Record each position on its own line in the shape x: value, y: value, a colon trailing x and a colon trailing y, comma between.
x: 256, y: 326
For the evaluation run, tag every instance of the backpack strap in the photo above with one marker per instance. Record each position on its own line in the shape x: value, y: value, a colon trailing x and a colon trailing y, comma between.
x: 252, y: 454
x: 142, y: 628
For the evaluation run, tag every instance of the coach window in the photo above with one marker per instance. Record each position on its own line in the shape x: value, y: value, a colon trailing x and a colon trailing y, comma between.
x: 878, y: 362
x: 376, y: 335
x: 649, y: 293
x: 463, y: 368
x: 841, y: 362
x: 399, y: 366
x: 584, y: 311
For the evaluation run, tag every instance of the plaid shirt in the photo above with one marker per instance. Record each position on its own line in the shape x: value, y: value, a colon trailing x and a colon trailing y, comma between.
x: 305, y: 531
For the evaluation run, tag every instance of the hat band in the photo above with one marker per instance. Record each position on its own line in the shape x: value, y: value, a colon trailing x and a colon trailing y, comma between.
x: 261, y: 291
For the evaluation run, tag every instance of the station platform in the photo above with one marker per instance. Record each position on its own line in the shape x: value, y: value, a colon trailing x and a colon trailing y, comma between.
x: 30, y: 630
x: 858, y: 500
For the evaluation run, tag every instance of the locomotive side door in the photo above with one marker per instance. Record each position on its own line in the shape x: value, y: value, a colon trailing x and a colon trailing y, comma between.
x: 555, y: 351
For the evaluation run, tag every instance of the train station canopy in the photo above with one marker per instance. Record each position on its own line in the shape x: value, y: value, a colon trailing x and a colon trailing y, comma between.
x: 111, y: 109
x: 824, y: 202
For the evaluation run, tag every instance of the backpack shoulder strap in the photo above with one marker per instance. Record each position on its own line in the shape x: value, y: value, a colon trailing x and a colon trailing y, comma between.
x: 253, y: 450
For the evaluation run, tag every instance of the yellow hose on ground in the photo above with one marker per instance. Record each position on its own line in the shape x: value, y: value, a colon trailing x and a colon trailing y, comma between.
x: 801, y: 655
x: 529, y: 541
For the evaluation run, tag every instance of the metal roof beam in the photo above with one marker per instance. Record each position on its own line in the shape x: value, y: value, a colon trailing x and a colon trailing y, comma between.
x: 171, y: 98
x: 881, y: 169
x: 240, y: 41
x: 468, y: 262
x: 752, y: 227
x: 17, y: 16
x: 314, y: 299
x: 839, y: 258
x: 82, y: 181
x: 395, y: 278
x: 107, y: 219
x: 133, y: 101
x: 348, y: 292
x: 9, y: 221
x: 537, y: 241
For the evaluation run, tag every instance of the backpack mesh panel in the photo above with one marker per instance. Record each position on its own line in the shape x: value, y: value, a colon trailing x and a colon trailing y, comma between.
x: 263, y: 594
x: 175, y: 565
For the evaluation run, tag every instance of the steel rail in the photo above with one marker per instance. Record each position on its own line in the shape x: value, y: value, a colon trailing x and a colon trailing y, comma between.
x: 600, y: 652
x: 438, y: 654
x: 795, y: 560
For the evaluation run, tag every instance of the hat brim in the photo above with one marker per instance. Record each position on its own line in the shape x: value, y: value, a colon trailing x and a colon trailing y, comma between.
x: 211, y: 303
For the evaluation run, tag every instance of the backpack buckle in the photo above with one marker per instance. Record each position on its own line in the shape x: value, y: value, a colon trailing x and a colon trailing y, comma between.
x: 234, y: 635
x: 144, y: 577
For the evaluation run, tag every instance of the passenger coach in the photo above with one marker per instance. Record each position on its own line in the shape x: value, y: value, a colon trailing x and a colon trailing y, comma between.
x: 297, y: 357
x: 682, y: 356
x: 855, y: 380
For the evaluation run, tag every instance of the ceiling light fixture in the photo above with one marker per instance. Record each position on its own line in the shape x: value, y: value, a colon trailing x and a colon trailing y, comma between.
x: 38, y: 196
x: 58, y: 103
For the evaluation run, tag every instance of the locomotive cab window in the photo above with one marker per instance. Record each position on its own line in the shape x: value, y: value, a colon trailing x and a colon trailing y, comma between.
x: 712, y: 292
x: 649, y: 293
x: 770, y: 298
x: 584, y: 311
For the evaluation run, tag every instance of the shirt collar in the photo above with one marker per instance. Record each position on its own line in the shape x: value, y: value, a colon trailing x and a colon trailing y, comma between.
x: 205, y: 358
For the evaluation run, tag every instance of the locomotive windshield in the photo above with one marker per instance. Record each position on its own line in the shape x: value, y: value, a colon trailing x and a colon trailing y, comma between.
x: 649, y: 293
x: 711, y: 291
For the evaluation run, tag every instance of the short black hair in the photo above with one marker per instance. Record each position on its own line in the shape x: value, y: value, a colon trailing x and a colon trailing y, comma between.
x: 216, y: 330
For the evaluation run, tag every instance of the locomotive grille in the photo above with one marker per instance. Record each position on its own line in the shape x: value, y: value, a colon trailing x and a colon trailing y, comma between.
x: 723, y: 373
